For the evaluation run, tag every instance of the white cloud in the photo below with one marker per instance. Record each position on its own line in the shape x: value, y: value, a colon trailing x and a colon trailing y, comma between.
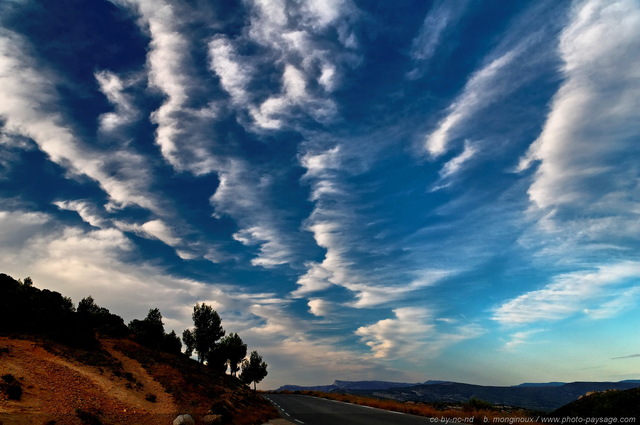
x: 153, y: 229
x: 183, y: 132
x: 30, y: 107
x: 481, y: 90
x: 113, y: 87
x: 235, y: 74
x: 87, y: 212
x: 567, y: 295
x: 619, y: 302
x: 328, y: 225
x: 442, y: 16
x: 335, y: 225
x: 523, y: 49
x: 588, y: 144
x: 584, y: 191
x: 323, y: 13
x: 520, y: 338
x: 273, y: 251
x: 334, y: 268
x: 295, y: 34
x: 241, y: 194
x: 272, y: 112
x: 411, y: 334
x: 454, y: 165
x: 159, y: 230
x: 371, y: 295
x: 319, y: 164
x: 319, y: 307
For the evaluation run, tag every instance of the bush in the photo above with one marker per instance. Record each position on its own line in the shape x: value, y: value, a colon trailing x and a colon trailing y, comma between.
x: 14, y: 391
x: 477, y: 404
x: 151, y: 398
x: 8, y: 378
x: 88, y: 418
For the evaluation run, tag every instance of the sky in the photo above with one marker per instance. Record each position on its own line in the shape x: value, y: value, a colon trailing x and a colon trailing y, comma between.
x: 363, y: 189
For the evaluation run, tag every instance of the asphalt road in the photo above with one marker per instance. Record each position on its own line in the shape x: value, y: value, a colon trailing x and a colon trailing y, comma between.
x: 307, y: 410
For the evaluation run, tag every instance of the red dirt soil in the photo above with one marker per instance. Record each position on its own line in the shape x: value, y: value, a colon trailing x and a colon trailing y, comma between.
x: 59, y: 391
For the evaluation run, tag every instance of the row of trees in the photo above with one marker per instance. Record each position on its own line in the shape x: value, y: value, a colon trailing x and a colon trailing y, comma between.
x: 207, y: 339
x: 27, y: 309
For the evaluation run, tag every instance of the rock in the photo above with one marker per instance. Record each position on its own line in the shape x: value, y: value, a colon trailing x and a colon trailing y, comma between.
x: 184, y: 420
x: 212, y: 419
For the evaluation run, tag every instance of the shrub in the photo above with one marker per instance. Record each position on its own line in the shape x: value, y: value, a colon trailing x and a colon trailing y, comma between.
x: 8, y: 378
x: 14, y: 392
x: 477, y: 404
x: 151, y: 398
x: 88, y: 418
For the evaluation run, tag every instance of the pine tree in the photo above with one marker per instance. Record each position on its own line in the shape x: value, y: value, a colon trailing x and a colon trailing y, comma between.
x: 253, y: 370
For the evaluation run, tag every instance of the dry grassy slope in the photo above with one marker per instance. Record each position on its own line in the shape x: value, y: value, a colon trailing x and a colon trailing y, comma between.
x: 120, y: 383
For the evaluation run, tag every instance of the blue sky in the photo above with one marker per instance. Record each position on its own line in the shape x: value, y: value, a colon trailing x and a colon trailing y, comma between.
x: 401, y: 190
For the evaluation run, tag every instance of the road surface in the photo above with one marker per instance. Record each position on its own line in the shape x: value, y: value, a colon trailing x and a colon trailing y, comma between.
x: 307, y: 410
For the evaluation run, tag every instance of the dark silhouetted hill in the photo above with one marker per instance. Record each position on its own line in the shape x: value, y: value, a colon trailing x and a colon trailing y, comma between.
x: 545, y: 398
x: 529, y: 396
x: 605, y: 404
x: 341, y: 386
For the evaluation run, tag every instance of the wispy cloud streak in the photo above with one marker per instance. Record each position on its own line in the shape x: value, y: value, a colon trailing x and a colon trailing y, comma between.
x: 567, y: 295
x: 503, y: 70
x: 185, y: 116
x: 30, y: 108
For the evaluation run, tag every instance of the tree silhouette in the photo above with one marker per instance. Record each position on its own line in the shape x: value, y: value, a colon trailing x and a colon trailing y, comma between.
x: 88, y: 306
x: 171, y: 343
x: 150, y: 332
x: 100, y: 319
x: 217, y: 358
x: 206, y: 333
x: 235, y: 350
x: 253, y: 370
x: 189, y: 341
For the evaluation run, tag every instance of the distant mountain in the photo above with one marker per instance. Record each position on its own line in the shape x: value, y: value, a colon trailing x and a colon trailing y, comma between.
x: 323, y: 388
x: 541, y: 384
x: 339, y: 386
x: 606, y: 404
x: 544, y: 398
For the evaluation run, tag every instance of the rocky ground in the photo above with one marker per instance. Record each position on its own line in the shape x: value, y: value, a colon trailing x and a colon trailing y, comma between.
x: 67, y: 392
x: 107, y: 386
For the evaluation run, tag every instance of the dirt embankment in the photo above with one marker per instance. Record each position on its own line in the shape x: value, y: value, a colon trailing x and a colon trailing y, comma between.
x: 59, y: 390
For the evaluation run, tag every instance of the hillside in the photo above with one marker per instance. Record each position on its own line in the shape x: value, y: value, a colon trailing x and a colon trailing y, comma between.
x: 65, y: 365
x: 119, y: 382
x: 604, y: 404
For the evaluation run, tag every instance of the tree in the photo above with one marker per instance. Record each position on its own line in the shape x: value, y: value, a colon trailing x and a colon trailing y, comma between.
x: 171, y: 343
x: 235, y: 350
x: 100, y: 319
x: 150, y: 331
x: 206, y: 333
x: 88, y: 306
x: 189, y: 341
x: 253, y: 370
x: 217, y: 358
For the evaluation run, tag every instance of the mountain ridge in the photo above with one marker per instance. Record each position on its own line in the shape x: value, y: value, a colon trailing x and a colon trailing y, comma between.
x: 349, y: 385
x: 535, y: 396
